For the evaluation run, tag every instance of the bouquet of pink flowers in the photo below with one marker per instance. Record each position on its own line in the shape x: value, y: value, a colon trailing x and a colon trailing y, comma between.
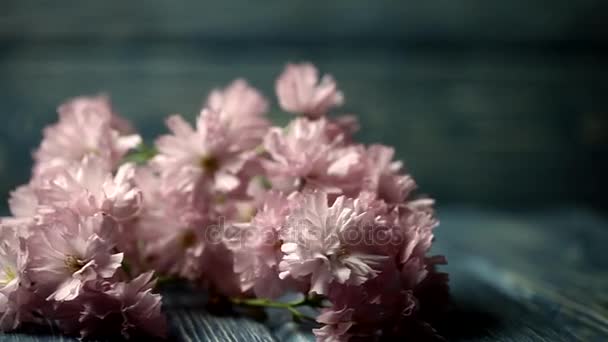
x: 234, y: 205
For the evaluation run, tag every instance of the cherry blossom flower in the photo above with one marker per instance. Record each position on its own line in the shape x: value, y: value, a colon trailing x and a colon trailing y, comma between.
x: 23, y: 202
x: 384, y: 177
x: 257, y: 248
x: 70, y: 251
x: 336, y: 324
x: 87, y: 127
x: 172, y: 240
x: 303, y: 157
x: 211, y: 155
x: 231, y: 204
x: 301, y: 92
x: 316, y: 244
x: 88, y: 188
x: 138, y: 306
x: 114, y: 308
x: 238, y: 100
x: 14, y: 298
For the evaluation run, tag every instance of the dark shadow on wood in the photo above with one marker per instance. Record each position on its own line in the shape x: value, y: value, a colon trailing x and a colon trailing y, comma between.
x: 463, y: 323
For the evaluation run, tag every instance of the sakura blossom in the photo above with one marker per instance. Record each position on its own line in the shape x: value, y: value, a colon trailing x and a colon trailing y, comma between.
x: 139, y: 306
x: 336, y: 325
x: 87, y: 127
x: 238, y: 100
x: 302, y: 156
x: 315, y: 244
x: 117, y: 308
x: 13, y: 296
x: 384, y: 177
x: 23, y: 202
x: 232, y: 205
x: 69, y: 252
x: 210, y: 155
x: 88, y: 188
x: 257, y: 248
x: 301, y: 92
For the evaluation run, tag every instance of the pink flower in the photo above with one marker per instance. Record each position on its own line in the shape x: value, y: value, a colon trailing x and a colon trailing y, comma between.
x: 343, y: 127
x: 216, y: 268
x: 140, y: 308
x: 99, y: 105
x: 302, y: 156
x: 69, y: 251
x: 210, y: 156
x: 88, y: 188
x: 238, y: 101
x: 415, y: 228
x: 23, y: 202
x: 300, y: 91
x: 86, y: 127
x: 110, y: 308
x: 384, y: 177
x: 257, y: 248
x: 172, y: 240
x: 336, y: 324
x: 14, y: 307
x: 316, y: 243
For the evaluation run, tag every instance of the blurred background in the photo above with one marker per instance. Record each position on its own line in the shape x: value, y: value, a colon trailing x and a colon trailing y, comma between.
x: 491, y: 104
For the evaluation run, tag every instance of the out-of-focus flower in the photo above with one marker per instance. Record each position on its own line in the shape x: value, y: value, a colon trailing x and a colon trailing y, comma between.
x: 257, y: 248
x: 172, y: 239
x: 140, y: 308
x: 301, y: 92
x: 415, y: 229
x: 87, y: 127
x: 111, y: 308
x: 14, y: 298
x: 384, y: 177
x: 88, y: 188
x: 238, y: 101
x: 69, y: 251
x: 343, y: 127
x: 302, y: 156
x: 210, y: 156
x: 336, y: 324
x: 322, y: 242
x: 23, y: 202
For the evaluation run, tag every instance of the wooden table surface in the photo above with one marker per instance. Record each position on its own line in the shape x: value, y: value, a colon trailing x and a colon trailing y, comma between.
x: 537, y: 276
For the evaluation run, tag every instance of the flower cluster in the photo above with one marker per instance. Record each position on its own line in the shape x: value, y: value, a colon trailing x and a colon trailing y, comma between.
x: 60, y: 256
x: 232, y: 204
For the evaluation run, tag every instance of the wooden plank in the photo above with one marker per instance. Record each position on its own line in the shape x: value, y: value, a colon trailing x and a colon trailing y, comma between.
x: 188, y: 322
x: 547, y: 265
x: 196, y: 327
x: 305, y: 20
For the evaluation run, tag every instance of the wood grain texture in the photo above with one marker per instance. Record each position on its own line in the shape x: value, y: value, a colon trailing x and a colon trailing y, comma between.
x: 536, y: 276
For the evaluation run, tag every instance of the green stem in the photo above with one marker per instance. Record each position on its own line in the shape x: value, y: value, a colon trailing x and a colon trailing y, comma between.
x: 289, y: 306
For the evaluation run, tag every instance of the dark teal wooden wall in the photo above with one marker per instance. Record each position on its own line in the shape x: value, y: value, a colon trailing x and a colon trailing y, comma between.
x: 490, y: 103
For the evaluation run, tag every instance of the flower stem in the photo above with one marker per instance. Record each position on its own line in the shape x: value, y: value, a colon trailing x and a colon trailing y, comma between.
x: 310, y: 301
